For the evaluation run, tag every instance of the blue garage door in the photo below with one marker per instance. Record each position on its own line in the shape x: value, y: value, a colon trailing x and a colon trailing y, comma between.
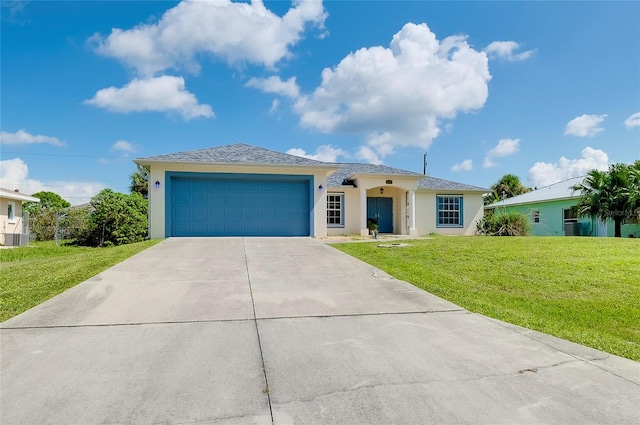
x: 239, y: 207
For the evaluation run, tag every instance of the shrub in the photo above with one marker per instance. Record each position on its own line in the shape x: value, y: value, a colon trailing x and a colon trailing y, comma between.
x: 504, y: 224
x: 115, y: 219
x: 42, y: 224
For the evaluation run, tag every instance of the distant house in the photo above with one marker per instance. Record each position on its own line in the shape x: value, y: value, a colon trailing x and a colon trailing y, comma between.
x: 552, y: 211
x: 242, y: 190
x: 12, y: 226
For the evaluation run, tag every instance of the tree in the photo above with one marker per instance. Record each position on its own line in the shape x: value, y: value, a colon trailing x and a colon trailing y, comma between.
x: 612, y: 194
x: 115, y: 219
x: 43, y: 215
x: 48, y: 200
x: 140, y: 182
x: 508, y: 186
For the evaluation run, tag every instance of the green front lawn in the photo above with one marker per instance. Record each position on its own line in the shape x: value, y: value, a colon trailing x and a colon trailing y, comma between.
x: 33, y: 274
x: 585, y: 290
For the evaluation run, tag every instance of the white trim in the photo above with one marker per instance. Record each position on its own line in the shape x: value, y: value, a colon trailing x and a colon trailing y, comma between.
x: 11, y: 215
x: 17, y: 196
x: 340, y: 196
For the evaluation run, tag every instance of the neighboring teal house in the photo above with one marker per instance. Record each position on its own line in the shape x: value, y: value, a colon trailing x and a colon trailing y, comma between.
x: 551, y: 210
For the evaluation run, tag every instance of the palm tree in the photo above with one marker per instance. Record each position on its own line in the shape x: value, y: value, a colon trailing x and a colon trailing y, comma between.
x: 612, y: 194
x: 140, y: 182
x: 508, y: 186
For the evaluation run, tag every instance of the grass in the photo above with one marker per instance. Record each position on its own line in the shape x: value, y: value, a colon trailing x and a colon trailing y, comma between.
x: 585, y: 290
x: 33, y: 274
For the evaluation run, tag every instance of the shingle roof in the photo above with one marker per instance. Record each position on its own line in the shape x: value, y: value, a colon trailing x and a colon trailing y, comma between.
x: 349, y: 169
x: 560, y: 190
x: 245, y: 154
x: 432, y: 183
x: 234, y: 154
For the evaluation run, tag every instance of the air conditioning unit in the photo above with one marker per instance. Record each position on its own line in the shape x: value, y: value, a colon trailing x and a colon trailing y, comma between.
x: 16, y: 239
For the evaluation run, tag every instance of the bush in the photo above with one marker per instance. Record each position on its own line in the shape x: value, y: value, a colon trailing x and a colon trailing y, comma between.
x: 42, y: 224
x: 44, y: 215
x: 115, y: 219
x: 504, y: 224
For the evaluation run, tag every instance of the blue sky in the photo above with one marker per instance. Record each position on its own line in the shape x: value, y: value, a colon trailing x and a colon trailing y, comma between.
x: 544, y: 90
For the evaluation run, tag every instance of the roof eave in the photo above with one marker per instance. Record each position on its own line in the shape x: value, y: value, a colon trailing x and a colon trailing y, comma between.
x: 430, y: 189
x: 410, y: 176
x: 541, y: 201
x: 143, y: 162
x: 18, y: 197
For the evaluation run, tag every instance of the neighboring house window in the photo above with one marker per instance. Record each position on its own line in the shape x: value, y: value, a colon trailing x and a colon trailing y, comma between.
x: 335, y: 209
x: 536, y: 216
x: 11, y: 211
x: 449, y: 211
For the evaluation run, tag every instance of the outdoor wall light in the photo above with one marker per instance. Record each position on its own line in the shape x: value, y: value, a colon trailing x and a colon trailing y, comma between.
x: 157, y: 185
x: 320, y: 187
x: 381, y: 190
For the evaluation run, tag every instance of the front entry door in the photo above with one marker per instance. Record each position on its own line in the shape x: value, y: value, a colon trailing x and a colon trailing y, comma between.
x: 381, y: 209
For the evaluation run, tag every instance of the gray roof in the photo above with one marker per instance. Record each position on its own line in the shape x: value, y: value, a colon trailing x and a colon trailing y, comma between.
x: 234, y: 154
x: 428, y: 183
x: 245, y: 154
x: 432, y: 183
x: 349, y: 169
x: 560, y: 190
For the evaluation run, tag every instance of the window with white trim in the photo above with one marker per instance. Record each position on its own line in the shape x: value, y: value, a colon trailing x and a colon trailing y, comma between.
x: 449, y: 211
x: 335, y: 209
x: 536, y: 216
x: 11, y: 211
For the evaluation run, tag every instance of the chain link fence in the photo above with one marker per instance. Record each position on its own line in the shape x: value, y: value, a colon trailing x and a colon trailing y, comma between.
x: 48, y: 225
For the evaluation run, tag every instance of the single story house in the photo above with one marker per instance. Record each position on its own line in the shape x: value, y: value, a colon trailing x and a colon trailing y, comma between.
x: 552, y: 211
x: 242, y: 190
x: 12, y: 226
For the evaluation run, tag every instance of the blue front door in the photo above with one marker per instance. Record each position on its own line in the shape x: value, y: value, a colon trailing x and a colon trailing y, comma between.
x: 381, y: 210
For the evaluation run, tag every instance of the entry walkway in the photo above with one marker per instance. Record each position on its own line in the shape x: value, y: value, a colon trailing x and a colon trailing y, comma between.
x: 288, y: 331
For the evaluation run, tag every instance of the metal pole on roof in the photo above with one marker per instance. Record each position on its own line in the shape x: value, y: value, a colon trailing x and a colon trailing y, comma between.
x: 424, y: 169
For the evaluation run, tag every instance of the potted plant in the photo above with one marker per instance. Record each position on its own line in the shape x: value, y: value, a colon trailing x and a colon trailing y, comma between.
x: 372, y: 225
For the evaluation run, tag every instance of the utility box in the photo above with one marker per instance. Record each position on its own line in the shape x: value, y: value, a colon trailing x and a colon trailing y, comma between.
x: 572, y: 229
x: 16, y: 239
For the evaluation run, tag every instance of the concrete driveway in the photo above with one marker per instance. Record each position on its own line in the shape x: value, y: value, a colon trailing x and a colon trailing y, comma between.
x: 288, y: 331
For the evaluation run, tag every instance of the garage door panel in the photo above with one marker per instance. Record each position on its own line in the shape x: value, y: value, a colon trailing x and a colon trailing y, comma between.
x: 219, y: 207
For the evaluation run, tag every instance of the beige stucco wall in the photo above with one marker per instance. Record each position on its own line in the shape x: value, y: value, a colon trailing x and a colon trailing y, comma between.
x: 425, y: 211
x: 426, y: 222
x: 356, y: 206
x: 6, y: 226
x: 157, y: 196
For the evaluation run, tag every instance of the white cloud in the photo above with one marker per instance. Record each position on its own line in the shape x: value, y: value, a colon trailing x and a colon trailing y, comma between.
x: 161, y: 94
x: 506, y: 50
x: 585, y: 125
x: 633, y: 120
x: 124, y: 146
x: 274, y: 106
x: 505, y: 147
x: 489, y: 162
x: 395, y: 96
x: 324, y: 153
x: 14, y: 174
x: 237, y: 32
x: 368, y: 155
x: 545, y: 173
x: 466, y: 165
x: 21, y: 137
x: 275, y: 85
